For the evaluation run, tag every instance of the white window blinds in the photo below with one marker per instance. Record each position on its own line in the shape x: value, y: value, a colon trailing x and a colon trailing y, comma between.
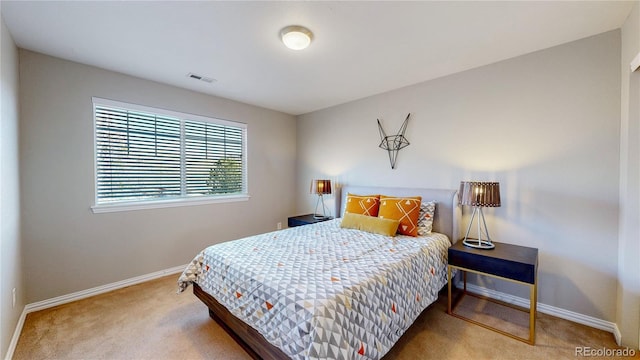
x: 213, y: 157
x: 145, y: 154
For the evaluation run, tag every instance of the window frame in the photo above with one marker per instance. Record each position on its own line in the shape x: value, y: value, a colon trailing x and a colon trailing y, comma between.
x: 173, y: 201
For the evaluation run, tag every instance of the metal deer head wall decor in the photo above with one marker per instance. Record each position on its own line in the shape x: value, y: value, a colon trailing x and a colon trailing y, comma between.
x: 394, y: 143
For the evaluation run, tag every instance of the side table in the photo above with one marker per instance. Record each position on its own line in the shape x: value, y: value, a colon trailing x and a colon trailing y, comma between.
x: 518, y: 264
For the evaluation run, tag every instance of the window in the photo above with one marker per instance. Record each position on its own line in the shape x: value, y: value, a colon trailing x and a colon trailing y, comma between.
x: 148, y: 158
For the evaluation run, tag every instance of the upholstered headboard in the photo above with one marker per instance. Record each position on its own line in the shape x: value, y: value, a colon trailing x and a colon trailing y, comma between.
x: 448, y: 212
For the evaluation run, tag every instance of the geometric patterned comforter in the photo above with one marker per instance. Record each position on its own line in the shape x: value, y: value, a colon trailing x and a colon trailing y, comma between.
x: 319, y: 291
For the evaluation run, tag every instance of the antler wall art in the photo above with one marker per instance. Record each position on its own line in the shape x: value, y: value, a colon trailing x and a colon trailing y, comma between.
x: 394, y: 143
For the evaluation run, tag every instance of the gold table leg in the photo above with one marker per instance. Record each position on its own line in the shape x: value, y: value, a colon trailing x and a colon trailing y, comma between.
x: 449, y: 290
x: 533, y: 298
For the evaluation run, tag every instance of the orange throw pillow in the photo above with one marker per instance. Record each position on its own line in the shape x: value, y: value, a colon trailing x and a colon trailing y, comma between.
x: 404, y: 209
x: 363, y: 204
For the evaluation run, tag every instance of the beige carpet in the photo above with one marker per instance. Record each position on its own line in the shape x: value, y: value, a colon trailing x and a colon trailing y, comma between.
x: 150, y: 321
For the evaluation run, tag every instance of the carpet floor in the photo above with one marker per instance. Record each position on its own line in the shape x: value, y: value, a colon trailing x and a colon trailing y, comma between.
x: 150, y: 321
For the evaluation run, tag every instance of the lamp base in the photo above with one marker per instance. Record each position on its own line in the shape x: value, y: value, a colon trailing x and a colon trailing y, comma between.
x: 319, y: 202
x: 478, y: 244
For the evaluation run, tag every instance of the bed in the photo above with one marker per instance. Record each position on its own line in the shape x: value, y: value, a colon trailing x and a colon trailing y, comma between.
x: 326, y: 292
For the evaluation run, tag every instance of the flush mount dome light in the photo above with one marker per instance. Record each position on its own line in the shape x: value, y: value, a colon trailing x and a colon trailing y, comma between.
x: 296, y: 37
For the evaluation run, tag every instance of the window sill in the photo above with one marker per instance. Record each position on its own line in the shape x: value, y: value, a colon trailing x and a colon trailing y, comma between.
x: 159, y: 204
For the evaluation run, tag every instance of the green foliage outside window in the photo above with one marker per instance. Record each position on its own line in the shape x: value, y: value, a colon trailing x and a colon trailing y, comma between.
x: 225, y: 177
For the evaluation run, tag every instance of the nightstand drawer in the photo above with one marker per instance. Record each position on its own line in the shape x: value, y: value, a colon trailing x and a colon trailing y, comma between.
x: 305, y: 220
x: 513, y: 262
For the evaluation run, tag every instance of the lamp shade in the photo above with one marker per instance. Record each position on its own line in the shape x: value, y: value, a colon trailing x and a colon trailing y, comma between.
x: 479, y: 193
x: 321, y: 187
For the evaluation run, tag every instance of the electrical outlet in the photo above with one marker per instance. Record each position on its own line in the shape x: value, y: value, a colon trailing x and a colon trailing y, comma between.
x: 13, y: 293
x: 279, y: 226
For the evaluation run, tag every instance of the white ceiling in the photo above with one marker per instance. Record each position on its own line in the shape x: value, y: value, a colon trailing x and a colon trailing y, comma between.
x: 360, y: 48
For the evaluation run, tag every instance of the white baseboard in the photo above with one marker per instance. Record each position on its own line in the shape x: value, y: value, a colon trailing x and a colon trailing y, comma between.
x: 16, y: 335
x: 617, y: 334
x: 59, y: 300
x: 546, y: 309
x: 45, y: 304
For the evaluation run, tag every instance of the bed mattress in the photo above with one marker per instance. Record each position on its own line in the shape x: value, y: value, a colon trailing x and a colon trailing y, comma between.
x: 320, y: 291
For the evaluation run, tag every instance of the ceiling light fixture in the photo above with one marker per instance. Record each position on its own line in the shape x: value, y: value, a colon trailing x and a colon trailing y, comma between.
x: 296, y: 37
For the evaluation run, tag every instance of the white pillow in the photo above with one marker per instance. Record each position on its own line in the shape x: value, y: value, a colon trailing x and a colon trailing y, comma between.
x: 425, y: 219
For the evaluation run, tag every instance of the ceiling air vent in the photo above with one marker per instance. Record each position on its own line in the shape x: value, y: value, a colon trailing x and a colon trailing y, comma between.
x: 201, y: 78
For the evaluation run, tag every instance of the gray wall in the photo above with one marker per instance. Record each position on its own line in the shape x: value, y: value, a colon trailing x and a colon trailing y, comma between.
x: 628, y: 314
x: 10, y: 245
x: 69, y: 248
x: 545, y: 125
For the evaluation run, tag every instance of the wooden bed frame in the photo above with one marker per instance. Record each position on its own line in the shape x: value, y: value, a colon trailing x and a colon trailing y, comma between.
x: 446, y: 221
x: 246, y: 336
